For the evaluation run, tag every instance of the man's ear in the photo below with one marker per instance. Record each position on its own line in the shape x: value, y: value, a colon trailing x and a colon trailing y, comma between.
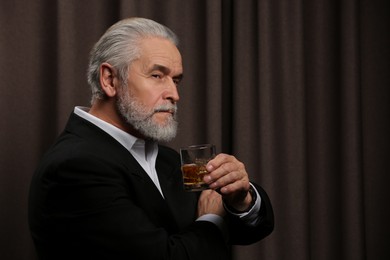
x: 108, y: 80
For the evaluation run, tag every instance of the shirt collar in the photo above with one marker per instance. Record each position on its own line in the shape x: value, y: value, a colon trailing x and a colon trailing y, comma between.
x: 130, y: 142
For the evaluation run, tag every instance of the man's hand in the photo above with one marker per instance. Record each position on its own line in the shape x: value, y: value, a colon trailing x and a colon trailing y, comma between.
x: 228, y: 176
x: 210, y: 202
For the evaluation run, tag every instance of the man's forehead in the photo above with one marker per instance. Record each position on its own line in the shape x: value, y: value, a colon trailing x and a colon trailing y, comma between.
x: 161, y: 63
x: 159, y: 48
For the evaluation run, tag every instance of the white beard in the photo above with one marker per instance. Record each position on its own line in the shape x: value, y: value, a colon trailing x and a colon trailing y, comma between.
x: 141, y: 119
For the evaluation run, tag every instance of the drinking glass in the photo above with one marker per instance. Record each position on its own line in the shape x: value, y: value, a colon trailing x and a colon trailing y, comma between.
x: 194, y: 159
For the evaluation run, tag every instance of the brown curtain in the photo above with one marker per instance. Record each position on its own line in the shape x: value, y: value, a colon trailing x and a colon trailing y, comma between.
x: 299, y: 90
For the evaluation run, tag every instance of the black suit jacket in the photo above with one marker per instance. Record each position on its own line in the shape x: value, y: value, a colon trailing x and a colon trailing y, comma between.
x: 90, y: 199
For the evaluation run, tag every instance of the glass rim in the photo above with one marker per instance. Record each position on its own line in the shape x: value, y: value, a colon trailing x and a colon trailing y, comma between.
x: 198, y: 146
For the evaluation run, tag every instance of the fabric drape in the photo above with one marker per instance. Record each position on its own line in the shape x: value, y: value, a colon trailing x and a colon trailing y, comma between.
x: 298, y: 90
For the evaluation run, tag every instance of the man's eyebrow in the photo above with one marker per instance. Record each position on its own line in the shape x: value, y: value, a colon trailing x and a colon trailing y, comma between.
x: 165, y: 70
x: 161, y: 68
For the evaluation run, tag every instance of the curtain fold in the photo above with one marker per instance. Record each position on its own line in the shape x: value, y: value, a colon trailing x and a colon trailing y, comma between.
x: 297, y: 90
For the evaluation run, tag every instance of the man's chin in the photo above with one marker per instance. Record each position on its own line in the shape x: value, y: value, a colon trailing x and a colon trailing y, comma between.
x: 160, y: 131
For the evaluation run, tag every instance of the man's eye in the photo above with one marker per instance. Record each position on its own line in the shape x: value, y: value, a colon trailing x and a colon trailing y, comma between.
x: 157, y: 76
x: 176, y: 81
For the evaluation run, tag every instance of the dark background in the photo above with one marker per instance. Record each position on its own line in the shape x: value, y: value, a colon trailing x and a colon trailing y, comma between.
x: 298, y: 90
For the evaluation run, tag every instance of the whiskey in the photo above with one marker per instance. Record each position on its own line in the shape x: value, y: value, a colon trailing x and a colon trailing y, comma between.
x: 193, y: 176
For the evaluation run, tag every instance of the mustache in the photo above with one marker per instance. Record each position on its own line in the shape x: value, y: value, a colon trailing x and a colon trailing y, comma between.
x: 169, y: 108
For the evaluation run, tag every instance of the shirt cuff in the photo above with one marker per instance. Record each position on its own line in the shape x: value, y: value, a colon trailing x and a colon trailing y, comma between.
x: 217, y: 220
x: 250, y: 217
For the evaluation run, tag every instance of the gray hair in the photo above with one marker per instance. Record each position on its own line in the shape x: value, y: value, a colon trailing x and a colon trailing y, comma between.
x: 119, y: 46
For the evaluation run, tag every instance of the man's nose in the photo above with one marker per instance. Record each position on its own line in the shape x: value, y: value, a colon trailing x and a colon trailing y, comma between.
x: 171, y: 92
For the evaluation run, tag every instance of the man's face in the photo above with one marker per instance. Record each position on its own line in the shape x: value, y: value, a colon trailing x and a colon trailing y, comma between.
x: 149, y: 104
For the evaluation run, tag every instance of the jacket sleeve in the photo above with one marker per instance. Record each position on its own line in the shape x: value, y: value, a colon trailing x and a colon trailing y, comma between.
x: 242, y: 234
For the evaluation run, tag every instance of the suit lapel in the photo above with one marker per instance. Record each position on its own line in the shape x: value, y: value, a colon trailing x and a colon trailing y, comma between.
x: 182, y: 204
x: 148, y: 197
